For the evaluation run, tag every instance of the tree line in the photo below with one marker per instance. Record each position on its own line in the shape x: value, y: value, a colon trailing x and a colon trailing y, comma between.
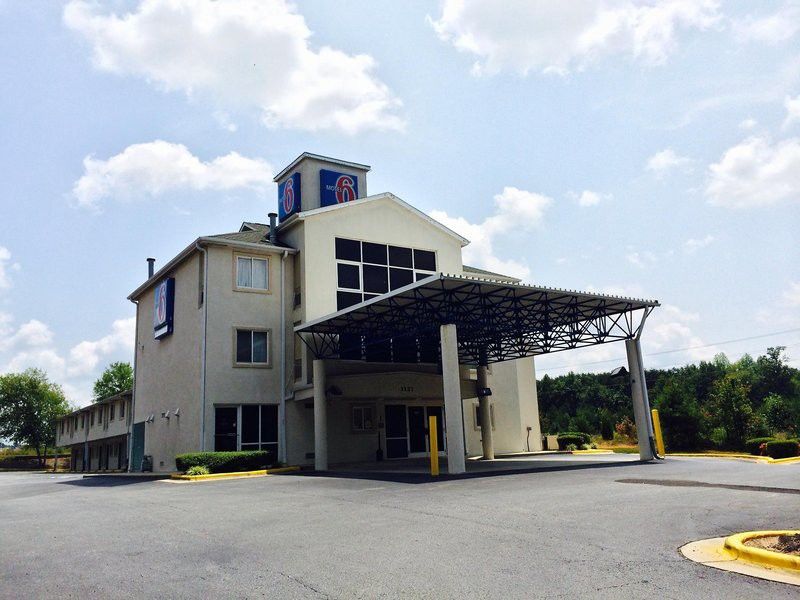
x: 712, y: 404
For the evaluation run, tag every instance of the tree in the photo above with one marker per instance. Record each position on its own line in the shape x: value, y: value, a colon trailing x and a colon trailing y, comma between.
x: 680, y: 415
x: 29, y: 407
x: 778, y: 414
x: 732, y: 409
x: 118, y: 377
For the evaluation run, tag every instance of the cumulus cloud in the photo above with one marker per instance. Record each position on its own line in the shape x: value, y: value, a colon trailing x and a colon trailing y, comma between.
x: 34, y: 333
x: 666, y: 160
x: 241, y: 54
x: 6, y: 266
x: 546, y: 36
x: 154, y: 168
x: 514, y: 210
x: 792, y: 106
x: 589, y: 198
x: 771, y: 29
x: 692, y: 245
x: 756, y: 172
x: 748, y: 124
x: 641, y: 259
x: 84, y: 357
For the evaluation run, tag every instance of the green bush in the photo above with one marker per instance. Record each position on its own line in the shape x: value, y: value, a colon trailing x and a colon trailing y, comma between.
x: 226, y: 462
x: 575, y: 438
x: 783, y: 448
x: 571, y: 447
x: 753, y: 445
x: 197, y: 470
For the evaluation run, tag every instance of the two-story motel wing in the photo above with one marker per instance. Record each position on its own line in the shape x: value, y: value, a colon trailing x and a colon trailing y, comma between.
x: 332, y: 335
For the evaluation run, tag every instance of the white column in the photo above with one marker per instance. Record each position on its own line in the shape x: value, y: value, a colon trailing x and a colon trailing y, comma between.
x: 484, y: 406
x: 641, y: 404
x: 451, y: 382
x: 320, y: 417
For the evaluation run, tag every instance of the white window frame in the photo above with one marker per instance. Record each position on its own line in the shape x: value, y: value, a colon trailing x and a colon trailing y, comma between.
x: 362, y: 408
x: 250, y: 288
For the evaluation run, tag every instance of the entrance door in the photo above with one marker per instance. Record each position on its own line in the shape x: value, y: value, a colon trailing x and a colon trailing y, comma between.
x: 436, y: 411
x: 396, y: 431
x: 226, y: 428
x: 417, y: 430
x: 137, y: 451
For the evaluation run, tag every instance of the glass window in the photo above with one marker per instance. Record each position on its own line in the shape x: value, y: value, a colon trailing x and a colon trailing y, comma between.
x: 345, y: 299
x: 348, y: 249
x: 400, y: 277
x: 425, y: 260
x: 376, y: 279
x: 400, y: 257
x: 250, y: 424
x: 374, y: 253
x: 251, y: 346
x: 363, y: 418
x: 122, y: 409
x: 349, y: 276
x: 252, y: 273
x: 111, y: 411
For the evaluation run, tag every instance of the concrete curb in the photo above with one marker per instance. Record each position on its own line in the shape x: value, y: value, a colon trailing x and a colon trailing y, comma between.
x: 766, y: 459
x: 735, y: 544
x: 213, y: 476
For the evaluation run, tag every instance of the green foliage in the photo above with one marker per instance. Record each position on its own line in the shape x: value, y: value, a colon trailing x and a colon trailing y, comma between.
x: 197, y: 470
x: 783, y: 448
x: 29, y: 406
x: 118, y: 377
x: 572, y: 438
x: 571, y: 447
x: 715, y: 403
x: 226, y: 462
x: 753, y: 445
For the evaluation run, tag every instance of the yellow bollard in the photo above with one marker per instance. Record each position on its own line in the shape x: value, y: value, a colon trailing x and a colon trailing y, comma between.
x: 434, y: 442
x: 657, y: 431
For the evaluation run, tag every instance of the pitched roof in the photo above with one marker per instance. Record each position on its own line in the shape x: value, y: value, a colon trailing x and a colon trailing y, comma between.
x: 251, y: 236
x: 252, y: 226
x: 383, y: 196
x: 490, y: 274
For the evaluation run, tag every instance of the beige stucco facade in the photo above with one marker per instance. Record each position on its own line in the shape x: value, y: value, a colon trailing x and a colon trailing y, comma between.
x: 185, y: 380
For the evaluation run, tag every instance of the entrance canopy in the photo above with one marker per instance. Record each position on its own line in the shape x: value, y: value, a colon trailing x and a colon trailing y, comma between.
x: 495, y: 320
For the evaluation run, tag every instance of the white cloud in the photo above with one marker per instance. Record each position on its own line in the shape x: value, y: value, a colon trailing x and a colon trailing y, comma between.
x: 756, y: 172
x: 666, y: 160
x: 641, y: 259
x: 223, y: 119
x: 84, y: 357
x: 5, y: 267
x: 782, y: 312
x: 541, y: 35
x: 154, y: 168
x: 771, y: 29
x: 515, y: 210
x: 243, y: 55
x: 589, y: 198
x: 748, y: 124
x: 792, y: 106
x: 692, y: 245
x: 34, y: 333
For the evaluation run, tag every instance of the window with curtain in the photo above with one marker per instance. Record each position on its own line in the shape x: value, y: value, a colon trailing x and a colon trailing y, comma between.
x: 252, y: 273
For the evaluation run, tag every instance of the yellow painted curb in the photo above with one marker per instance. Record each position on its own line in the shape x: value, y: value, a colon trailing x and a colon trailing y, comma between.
x: 593, y: 451
x: 765, y: 459
x: 182, y: 477
x: 735, y: 544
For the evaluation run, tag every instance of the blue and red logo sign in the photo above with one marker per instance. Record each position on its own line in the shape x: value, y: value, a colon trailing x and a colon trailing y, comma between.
x: 336, y: 188
x: 289, y: 196
x: 163, y: 307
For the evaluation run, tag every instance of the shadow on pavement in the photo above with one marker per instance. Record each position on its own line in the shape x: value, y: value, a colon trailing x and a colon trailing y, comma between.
x: 105, y: 481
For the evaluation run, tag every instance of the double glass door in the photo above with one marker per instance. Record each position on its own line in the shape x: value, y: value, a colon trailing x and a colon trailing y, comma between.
x: 407, y: 430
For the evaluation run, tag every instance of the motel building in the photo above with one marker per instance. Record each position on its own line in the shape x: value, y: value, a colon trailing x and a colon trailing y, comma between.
x: 334, y: 332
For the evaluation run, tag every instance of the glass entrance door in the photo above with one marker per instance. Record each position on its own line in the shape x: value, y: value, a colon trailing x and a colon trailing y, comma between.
x: 396, y: 431
x: 226, y: 428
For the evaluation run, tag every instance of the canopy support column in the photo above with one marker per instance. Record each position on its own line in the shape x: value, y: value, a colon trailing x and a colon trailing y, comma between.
x: 320, y: 417
x: 451, y: 383
x: 641, y: 403
x: 484, y: 407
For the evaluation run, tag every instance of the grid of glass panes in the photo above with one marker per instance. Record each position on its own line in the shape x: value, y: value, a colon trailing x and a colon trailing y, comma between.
x: 366, y: 269
x: 251, y: 346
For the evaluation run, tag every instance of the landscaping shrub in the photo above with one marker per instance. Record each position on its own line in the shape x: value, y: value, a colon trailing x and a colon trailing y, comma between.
x: 753, y: 445
x: 226, y: 462
x: 575, y: 438
x: 197, y: 470
x: 571, y: 447
x: 783, y: 448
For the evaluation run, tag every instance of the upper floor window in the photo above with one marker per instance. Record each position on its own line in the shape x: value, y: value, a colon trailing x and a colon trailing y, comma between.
x: 122, y: 409
x: 252, y: 273
x: 367, y: 269
x: 252, y: 347
x: 111, y: 412
x: 62, y: 427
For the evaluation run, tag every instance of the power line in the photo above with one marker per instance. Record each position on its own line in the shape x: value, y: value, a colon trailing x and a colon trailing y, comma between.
x: 660, y: 352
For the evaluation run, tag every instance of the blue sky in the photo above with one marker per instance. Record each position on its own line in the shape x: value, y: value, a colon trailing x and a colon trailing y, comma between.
x: 650, y: 149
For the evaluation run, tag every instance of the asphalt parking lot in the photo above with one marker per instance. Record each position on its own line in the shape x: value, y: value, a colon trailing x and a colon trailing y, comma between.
x: 608, y: 529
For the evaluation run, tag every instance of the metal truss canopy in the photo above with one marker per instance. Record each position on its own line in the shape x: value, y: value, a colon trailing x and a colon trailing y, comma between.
x: 496, y: 321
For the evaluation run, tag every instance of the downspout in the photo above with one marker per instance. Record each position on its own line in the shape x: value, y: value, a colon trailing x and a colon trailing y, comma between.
x: 282, y: 405
x: 203, y: 348
x: 132, y: 411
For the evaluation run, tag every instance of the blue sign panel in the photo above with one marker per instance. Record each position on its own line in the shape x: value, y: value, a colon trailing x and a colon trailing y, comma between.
x: 289, y: 196
x: 336, y: 188
x: 163, y: 308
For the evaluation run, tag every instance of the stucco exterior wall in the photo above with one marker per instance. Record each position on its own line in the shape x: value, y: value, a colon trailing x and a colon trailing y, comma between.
x: 309, y: 180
